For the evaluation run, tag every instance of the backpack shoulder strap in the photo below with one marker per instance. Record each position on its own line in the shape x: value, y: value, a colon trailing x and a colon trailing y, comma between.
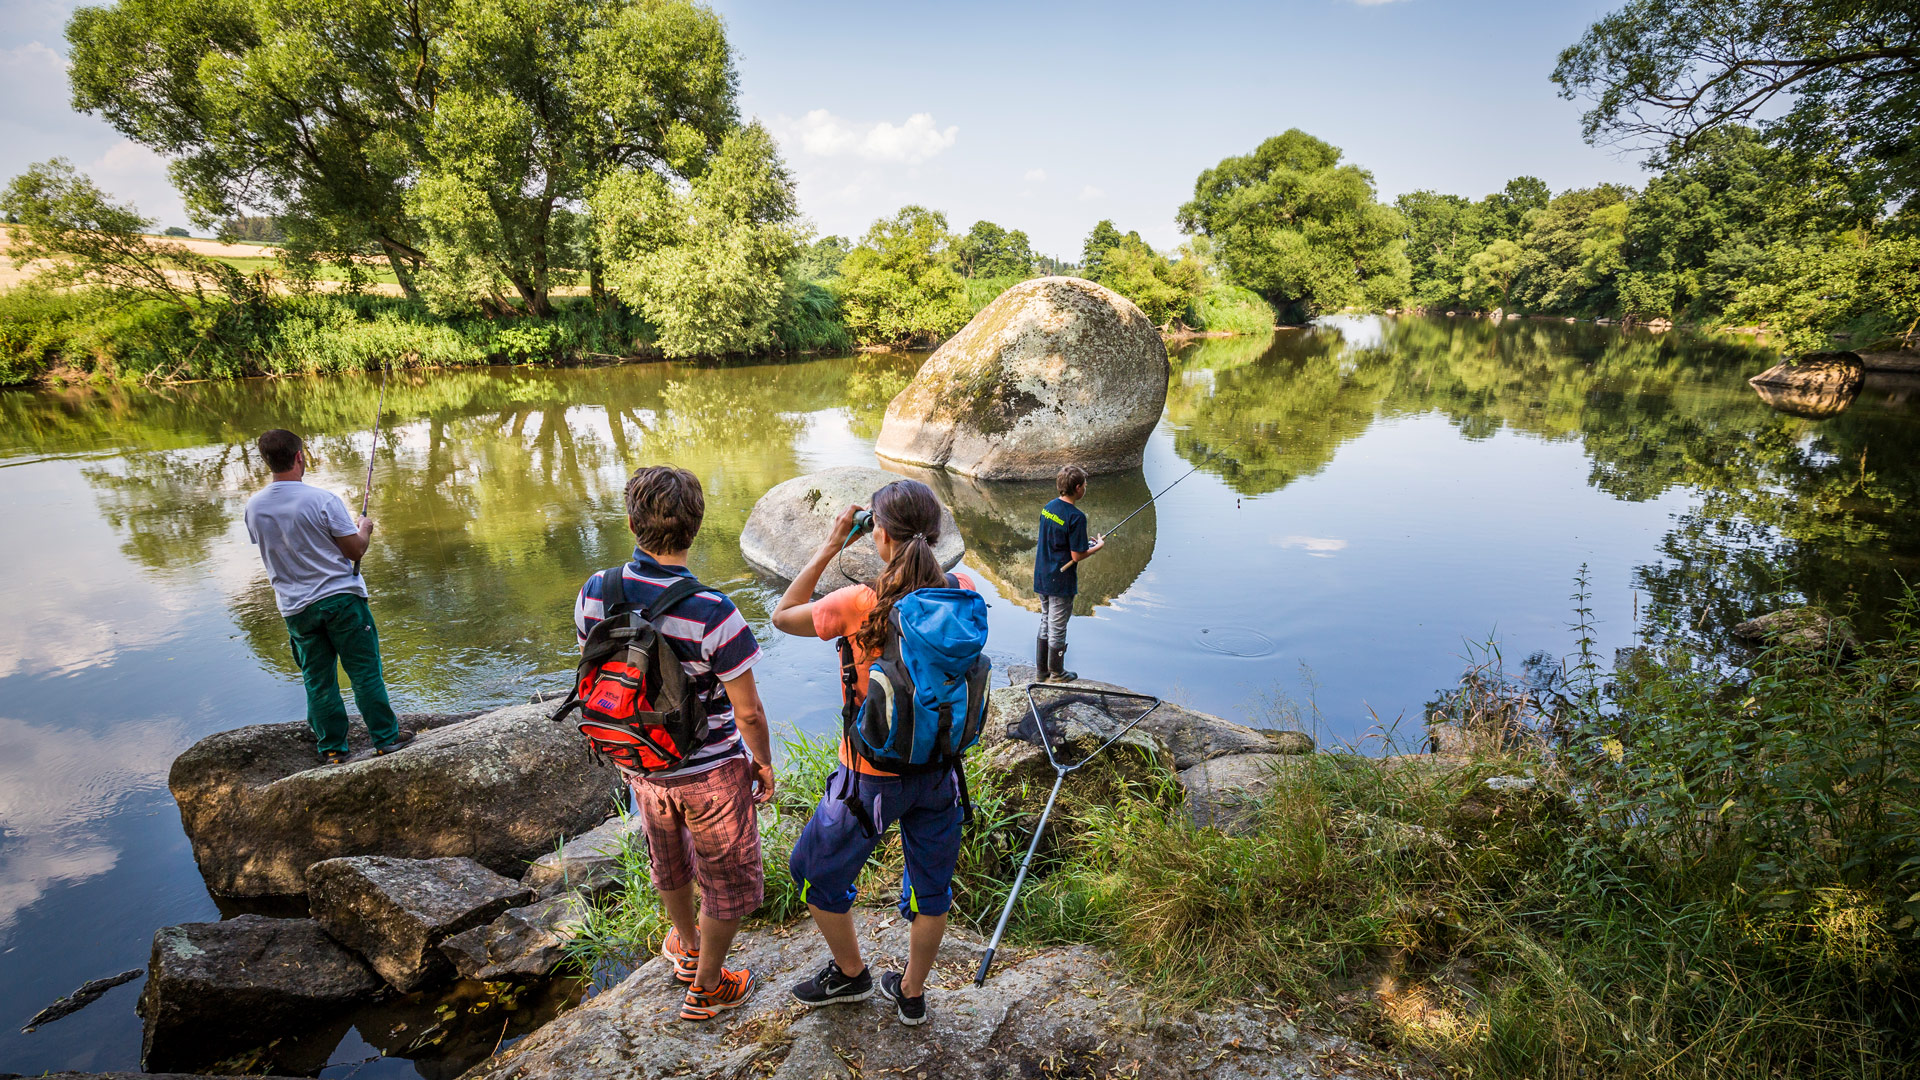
x: 613, y: 589
x: 953, y: 581
x: 671, y: 596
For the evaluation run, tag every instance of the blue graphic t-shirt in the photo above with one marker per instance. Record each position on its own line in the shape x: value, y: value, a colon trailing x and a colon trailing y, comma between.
x: 1063, y: 530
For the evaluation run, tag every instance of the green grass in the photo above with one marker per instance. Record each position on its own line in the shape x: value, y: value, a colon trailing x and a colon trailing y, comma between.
x: 1715, y: 874
x: 379, y: 271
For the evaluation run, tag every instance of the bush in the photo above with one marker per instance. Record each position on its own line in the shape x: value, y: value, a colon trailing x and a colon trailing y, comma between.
x: 1231, y: 309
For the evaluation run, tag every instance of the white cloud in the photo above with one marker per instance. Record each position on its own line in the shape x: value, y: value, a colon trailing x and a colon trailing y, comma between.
x: 1320, y: 547
x: 1035, y: 176
x: 822, y: 134
x: 1090, y: 193
x: 34, y: 78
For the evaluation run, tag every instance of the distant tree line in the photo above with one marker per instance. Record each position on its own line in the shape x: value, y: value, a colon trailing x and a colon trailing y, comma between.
x: 497, y: 155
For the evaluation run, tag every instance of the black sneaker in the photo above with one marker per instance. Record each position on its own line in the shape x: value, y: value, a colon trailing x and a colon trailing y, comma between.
x: 912, y: 1010
x: 334, y: 757
x: 399, y: 740
x: 830, y: 987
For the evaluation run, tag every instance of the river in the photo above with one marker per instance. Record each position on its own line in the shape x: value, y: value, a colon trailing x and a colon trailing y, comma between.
x: 1378, y: 496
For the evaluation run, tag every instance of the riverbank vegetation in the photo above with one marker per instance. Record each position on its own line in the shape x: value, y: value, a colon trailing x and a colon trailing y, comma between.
x: 505, y: 169
x: 1680, y: 868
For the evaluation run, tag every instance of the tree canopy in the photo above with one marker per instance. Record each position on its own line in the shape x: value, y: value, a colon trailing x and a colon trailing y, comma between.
x: 898, y: 286
x: 1293, y: 224
x: 1662, y: 74
x: 989, y: 251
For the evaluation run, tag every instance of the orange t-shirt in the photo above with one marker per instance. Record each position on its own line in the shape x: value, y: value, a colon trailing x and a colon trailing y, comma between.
x: 837, y: 615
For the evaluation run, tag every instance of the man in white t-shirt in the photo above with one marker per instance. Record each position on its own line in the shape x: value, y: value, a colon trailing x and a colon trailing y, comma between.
x: 312, y: 550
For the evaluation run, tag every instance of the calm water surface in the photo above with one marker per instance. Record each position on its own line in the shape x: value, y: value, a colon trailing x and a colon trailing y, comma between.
x: 1385, y: 493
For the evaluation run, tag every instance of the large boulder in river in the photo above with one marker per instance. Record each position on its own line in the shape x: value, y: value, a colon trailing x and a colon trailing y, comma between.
x: 396, y: 912
x: 1056, y: 371
x: 1821, y: 376
x: 215, y: 989
x: 501, y: 788
x: 792, y: 520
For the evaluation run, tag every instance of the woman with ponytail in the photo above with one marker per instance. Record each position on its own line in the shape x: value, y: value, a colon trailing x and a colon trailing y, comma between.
x: 861, y: 800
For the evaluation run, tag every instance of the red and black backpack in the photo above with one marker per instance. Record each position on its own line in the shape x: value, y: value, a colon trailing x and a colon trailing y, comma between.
x: 638, y: 707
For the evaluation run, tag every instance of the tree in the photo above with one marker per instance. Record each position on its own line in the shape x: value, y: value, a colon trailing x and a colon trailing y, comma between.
x: 60, y: 218
x: 311, y: 113
x: 1870, y: 286
x: 1296, y: 226
x: 989, y: 251
x: 898, y: 286
x: 1104, y: 238
x: 822, y: 258
x: 542, y: 100
x: 1163, y: 288
x: 706, y: 266
x: 1489, y: 277
x: 1662, y: 74
x: 1572, y: 253
x: 455, y: 136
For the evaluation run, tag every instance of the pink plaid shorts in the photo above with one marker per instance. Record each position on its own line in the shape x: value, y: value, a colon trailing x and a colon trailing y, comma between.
x: 704, y: 829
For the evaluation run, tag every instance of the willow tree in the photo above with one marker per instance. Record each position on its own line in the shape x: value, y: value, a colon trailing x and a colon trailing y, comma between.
x: 1293, y: 224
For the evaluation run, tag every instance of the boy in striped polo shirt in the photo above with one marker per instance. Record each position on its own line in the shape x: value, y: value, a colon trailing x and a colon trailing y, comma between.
x: 699, y: 819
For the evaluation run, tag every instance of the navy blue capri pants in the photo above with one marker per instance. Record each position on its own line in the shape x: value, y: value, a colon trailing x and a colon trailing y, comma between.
x: 835, y: 845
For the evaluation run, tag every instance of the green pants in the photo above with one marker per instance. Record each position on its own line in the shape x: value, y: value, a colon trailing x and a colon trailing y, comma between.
x: 339, y: 630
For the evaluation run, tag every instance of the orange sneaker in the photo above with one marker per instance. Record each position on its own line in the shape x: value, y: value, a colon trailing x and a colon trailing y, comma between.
x: 685, y: 961
x: 732, y: 993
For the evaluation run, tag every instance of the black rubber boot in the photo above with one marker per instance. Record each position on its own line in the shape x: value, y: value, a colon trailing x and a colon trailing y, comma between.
x: 1042, y: 661
x: 1059, y: 662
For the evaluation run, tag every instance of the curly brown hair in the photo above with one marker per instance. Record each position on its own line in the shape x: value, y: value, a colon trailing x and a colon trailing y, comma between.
x: 664, y: 508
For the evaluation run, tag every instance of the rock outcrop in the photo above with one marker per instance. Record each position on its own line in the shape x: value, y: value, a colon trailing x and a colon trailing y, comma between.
x: 501, y: 788
x: 792, y: 520
x: 1224, y: 793
x: 1800, y: 628
x: 1055, y: 370
x: 395, y: 912
x: 216, y: 989
x: 585, y: 863
x: 1042, y: 1013
x: 524, y: 943
x: 1817, y: 385
x: 1189, y: 735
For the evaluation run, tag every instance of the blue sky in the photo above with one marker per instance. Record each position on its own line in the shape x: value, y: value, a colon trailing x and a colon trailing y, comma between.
x: 1046, y: 116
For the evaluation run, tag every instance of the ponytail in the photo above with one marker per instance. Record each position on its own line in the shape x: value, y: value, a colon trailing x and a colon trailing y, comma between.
x: 910, y: 513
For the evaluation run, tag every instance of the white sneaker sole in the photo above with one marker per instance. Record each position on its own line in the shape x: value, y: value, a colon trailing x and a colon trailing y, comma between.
x: 836, y: 1000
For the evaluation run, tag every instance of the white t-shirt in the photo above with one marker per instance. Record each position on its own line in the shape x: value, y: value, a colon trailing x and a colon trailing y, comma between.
x: 295, y: 524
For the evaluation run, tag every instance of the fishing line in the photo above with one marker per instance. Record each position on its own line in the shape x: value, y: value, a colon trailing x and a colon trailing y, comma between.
x: 1151, y: 499
x: 366, y: 496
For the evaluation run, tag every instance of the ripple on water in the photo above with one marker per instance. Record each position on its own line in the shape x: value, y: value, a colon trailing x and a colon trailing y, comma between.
x: 1236, y: 641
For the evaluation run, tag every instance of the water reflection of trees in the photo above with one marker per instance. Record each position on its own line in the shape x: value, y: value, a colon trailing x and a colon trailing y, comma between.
x: 495, y: 491
x: 1787, y: 506
x: 1001, y: 521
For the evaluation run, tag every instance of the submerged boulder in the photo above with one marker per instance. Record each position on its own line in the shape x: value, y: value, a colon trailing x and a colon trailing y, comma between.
x: 216, y: 989
x: 1057, y: 370
x: 1836, y: 374
x: 1798, y: 628
x: 395, y: 912
x: 501, y: 788
x: 792, y: 520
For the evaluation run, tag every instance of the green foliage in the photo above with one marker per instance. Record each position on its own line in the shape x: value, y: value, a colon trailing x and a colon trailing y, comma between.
x: 1231, y: 309
x: 810, y: 321
x: 1293, y: 224
x: 1104, y: 238
x: 989, y: 251
x: 898, y: 286
x: 1162, y: 287
x: 1444, y: 232
x: 1662, y: 75
x: 1870, y: 287
x: 984, y: 291
x: 705, y: 265
x: 821, y: 259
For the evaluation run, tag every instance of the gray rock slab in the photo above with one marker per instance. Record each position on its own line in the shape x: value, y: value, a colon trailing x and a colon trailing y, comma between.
x: 1190, y: 736
x: 523, y: 943
x: 501, y: 788
x: 1801, y: 628
x: 790, y: 522
x: 216, y: 989
x: 1042, y: 1012
x: 1056, y: 370
x: 395, y: 912
x: 1223, y: 793
x: 587, y: 861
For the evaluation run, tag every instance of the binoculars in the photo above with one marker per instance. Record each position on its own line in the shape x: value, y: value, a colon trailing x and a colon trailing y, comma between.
x: 862, y: 522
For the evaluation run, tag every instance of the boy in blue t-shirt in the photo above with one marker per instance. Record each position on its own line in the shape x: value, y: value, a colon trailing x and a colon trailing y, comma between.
x: 1056, y: 563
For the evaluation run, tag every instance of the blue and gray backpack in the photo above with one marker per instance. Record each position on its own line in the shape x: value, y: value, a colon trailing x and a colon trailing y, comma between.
x: 926, y: 695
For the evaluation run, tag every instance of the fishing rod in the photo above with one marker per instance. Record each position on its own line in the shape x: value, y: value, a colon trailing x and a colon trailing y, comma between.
x: 1059, y: 776
x: 1207, y: 460
x: 366, y: 495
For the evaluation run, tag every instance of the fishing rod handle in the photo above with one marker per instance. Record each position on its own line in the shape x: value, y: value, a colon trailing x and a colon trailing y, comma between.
x: 1019, y: 879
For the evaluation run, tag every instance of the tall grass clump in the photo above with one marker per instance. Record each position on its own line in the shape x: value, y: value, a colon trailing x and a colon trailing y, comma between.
x: 1231, y: 309
x: 811, y: 321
